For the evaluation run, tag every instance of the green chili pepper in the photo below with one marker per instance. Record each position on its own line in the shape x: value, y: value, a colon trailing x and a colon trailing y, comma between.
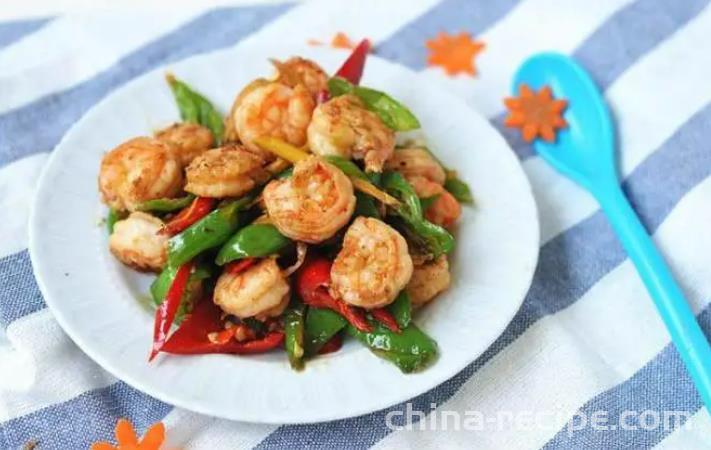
x: 393, y: 113
x: 210, y: 231
x: 411, y: 349
x: 112, y: 217
x: 435, y: 238
x: 428, y: 201
x: 365, y: 206
x: 164, y: 205
x: 347, y: 166
x: 255, y: 240
x: 159, y: 288
x: 401, y: 309
x: 286, y: 173
x: 319, y: 327
x: 294, y: 336
x: 458, y: 188
x: 196, y: 108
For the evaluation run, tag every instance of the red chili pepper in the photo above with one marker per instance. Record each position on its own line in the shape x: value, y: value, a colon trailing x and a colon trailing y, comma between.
x: 385, y: 317
x: 199, y: 208
x: 165, y: 314
x: 311, y: 282
x: 192, y: 336
x: 240, y: 266
x: 352, y: 69
x: 332, y: 345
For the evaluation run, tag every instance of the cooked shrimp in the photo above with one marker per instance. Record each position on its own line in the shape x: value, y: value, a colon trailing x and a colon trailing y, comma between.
x: 445, y: 210
x: 428, y: 280
x: 412, y: 162
x: 260, y: 291
x: 228, y: 171
x: 189, y: 140
x: 136, y: 242
x: 271, y: 109
x: 313, y: 204
x: 296, y: 70
x: 138, y: 170
x: 372, y: 267
x: 342, y: 126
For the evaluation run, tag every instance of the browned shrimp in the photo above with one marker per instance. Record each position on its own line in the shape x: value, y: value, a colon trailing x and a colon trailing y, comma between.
x: 428, y: 279
x: 342, y: 126
x: 188, y: 139
x: 138, y: 170
x: 416, y: 162
x: 136, y: 242
x: 228, y: 171
x: 271, y: 109
x: 372, y: 267
x: 445, y: 210
x: 260, y: 291
x: 297, y: 70
x: 313, y: 204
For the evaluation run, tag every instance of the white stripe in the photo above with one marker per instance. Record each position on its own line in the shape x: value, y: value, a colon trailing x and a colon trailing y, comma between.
x: 44, y: 368
x: 228, y: 434
x: 696, y: 433
x: 646, y: 117
x: 567, y: 358
x: 532, y: 26
x: 18, y: 181
x: 73, y: 48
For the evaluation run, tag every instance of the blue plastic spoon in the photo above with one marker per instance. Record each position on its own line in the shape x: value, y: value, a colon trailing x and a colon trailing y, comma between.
x: 585, y: 153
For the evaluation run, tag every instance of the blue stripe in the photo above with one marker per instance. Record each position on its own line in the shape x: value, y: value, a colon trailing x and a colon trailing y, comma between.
x: 407, y: 46
x: 569, y: 265
x: 86, y: 419
x: 661, y: 385
x: 615, y: 46
x: 19, y: 295
x: 216, y: 29
x: 12, y: 31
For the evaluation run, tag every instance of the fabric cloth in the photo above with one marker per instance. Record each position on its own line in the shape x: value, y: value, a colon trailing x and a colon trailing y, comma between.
x: 587, y: 341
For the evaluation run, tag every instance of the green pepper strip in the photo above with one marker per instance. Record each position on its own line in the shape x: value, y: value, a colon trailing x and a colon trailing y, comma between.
x: 255, y: 240
x: 210, y: 231
x: 159, y: 288
x: 401, y: 309
x: 411, y: 349
x: 435, y: 238
x: 393, y: 113
x: 294, y: 336
x: 112, y: 217
x: 195, y: 108
x: 319, y: 327
x: 165, y: 205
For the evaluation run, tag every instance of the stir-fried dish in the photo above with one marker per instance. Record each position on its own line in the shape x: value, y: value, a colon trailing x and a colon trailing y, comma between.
x: 293, y: 223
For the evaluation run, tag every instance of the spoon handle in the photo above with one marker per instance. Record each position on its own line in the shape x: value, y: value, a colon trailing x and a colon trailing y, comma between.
x: 678, y: 317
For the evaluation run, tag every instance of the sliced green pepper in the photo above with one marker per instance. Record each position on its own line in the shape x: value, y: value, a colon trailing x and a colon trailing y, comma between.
x: 319, y: 327
x: 195, y: 108
x: 435, y: 238
x: 255, y: 240
x: 165, y: 205
x: 159, y: 288
x: 393, y: 113
x: 347, y: 166
x: 210, y: 231
x: 458, y: 188
x: 112, y: 217
x: 401, y: 309
x: 411, y: 349
x: 294, y: 336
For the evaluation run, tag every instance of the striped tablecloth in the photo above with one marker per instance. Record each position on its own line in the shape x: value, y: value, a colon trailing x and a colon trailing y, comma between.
x: 586, y: 363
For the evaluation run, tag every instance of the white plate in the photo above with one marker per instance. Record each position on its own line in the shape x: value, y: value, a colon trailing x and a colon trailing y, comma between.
x: 103, y: 306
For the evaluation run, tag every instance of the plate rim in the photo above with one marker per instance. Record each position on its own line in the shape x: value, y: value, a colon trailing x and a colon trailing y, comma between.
x: 124, y: 375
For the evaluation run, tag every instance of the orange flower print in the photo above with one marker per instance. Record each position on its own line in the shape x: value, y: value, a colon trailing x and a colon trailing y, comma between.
x: 454, y: 53
x: 339, y: 40
x: 535, y: 113
x: 127, y: 440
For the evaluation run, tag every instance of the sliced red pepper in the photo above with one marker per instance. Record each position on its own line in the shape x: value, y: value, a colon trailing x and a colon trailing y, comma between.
x: 385, y: 317
x: 165, y: 314
x: 192, y: 336
x: 199, y: 208
x: 240, y: 266
x: 352, y: 69
x: 311, y: 282
x: 332, y: 345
